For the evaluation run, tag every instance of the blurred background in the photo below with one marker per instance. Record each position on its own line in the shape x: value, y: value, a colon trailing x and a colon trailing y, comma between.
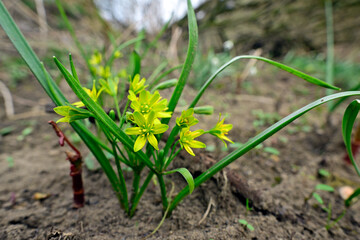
x: 291, y: 31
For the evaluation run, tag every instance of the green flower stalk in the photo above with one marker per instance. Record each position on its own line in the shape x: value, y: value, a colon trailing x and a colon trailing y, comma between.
x: 221, y: 130
x: 146, y: 130
x: 187, y: 119
x: 187, y: 140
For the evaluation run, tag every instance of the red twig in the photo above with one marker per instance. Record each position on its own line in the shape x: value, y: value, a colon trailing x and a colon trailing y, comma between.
x: 75, y: 160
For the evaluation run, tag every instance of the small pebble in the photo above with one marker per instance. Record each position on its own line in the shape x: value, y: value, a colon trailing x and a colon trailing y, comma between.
x: 345, y: 192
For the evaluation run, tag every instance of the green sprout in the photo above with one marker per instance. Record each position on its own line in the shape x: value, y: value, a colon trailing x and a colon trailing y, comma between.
x: 131, y: 135
x: 246, y: 224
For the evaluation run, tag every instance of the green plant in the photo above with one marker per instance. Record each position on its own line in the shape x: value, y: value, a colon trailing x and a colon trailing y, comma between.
x: 328, y: 209
x: 10, y: 161
x: 132, y: 137
x: 350, y: 115
x: 246, y: 224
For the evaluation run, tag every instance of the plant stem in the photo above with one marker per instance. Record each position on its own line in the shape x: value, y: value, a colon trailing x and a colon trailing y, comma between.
x: 135, y: 185
x: 124, y: 113
x: 125, y: 201
x: 330, y: 45
x: 163, y: 191
x: 141, y: 192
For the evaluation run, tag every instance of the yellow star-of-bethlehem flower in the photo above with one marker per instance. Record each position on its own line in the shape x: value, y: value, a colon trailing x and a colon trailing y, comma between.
x: 94, y: 95
x: 136, y: 86
x: 186, y: 119
x: 110, y: 85
x: 147, y: 102
x: 221, y: 130
x: 95, y: 59
x: 146, y: 130
x: 187, y: 140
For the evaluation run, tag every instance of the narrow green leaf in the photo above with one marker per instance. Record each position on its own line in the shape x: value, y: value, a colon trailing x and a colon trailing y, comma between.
x: 324, y: 173
x: 135, y: 64
x: 324, y: 187
x: 190, y: 56
x: 276, y: 64
x: 318, y: 198
x: 165, y: 84
x: 187, y: 175
x: 257, y: 140
x: 354, y: 195
x: 73, y: 69
x: 54, y: 92
x: 271, y: 150
x: 250, y: 227
x: 243, y: 222
x: 350, y: 115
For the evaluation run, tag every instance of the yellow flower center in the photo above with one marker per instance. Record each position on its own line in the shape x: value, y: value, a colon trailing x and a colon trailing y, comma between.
x: 145, y: 108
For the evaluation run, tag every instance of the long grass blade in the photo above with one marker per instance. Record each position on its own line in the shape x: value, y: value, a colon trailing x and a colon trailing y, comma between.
x: 53, y: 91
x: 350, y: 115
x: 253, y: 142
x: 293, y: 71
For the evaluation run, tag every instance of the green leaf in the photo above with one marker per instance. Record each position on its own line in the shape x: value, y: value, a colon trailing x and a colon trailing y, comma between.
x: 6, y: 130
x: 350, y: 115
x: 271, y: 150
x: 135, y: 64
x: 324, y: 187
x: 257, y: 140
x: 318, y: 198
x: 56, y: 95
x: 164, y: 85
x: 243, y: 222
x: 190, y: 56
x: 355, y: 194
x: 250, y: 227
x: 324, y: 173
x: 276, y: 64
x: 187, y: 175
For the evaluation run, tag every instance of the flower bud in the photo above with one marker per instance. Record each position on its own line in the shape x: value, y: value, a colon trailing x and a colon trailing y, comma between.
x: 112, y: 114
x: 205, y: 110
x: 166, y: 84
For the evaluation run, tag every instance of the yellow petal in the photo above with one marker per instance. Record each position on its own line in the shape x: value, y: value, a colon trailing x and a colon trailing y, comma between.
x: 189, y: 150
x: 153, y: 141
x: 139, y: 143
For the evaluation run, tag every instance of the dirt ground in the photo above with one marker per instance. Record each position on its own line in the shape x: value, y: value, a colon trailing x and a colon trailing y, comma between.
x: 278, y: 184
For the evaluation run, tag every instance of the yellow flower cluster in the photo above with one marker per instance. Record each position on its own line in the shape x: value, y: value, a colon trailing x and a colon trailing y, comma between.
x: 148, y: 108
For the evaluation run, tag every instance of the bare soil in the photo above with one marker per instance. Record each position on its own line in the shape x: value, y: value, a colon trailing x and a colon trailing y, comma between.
x: 280, y: 182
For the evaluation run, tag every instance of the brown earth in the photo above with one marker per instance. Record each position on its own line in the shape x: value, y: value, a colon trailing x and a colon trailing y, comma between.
x: 282, y: 182
x: 276, y: 185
